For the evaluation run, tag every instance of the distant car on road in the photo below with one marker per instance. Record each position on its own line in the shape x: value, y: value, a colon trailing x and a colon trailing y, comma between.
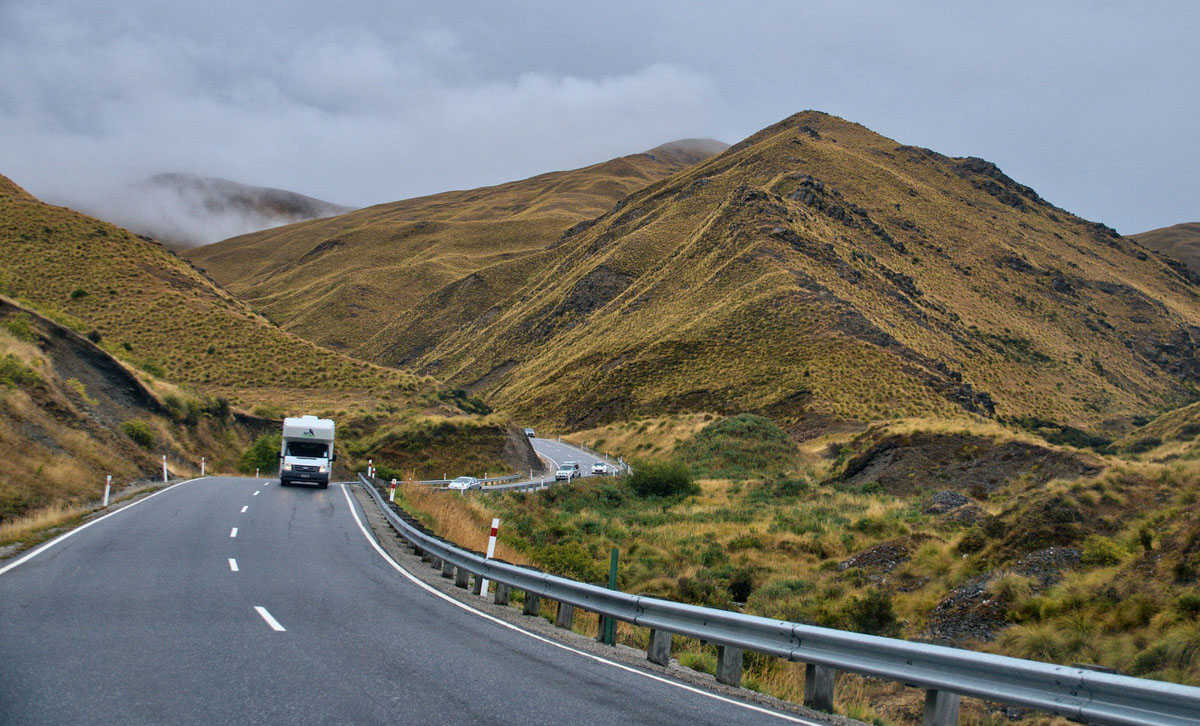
x: 529, y: 432
x: 463, y: 483
x: 599, y: 469
x: 567, y: 471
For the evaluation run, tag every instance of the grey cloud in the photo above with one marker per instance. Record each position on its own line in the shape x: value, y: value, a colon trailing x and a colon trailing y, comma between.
x: 1090, y: 104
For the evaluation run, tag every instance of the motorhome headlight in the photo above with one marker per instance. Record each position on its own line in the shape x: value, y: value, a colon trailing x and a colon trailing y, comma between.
x: 287, y: 466
x: 322, y: 468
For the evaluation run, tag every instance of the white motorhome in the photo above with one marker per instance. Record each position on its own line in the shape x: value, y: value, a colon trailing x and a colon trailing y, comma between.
x: 307, y: 451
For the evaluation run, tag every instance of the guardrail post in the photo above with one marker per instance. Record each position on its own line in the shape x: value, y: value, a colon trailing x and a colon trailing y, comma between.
x: 729, y: 665
x: 659, y: 650
x: 477, y: 587
x: 462, y: 578
x: 501, y: 594
x: 565, y: 616
x: 818, y: 687
x: 941, y: 708
x: 533, y: 604
x: 447, y: 570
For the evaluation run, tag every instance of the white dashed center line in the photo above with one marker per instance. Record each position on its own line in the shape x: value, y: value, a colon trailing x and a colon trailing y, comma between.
x: 233, y: 532
x: 256, y: 493
x: 245, y: 508
x: 270, y: 620
x: 232, y: 565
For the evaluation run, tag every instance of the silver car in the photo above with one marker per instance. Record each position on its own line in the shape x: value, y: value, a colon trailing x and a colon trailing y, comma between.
x: 463, y: 483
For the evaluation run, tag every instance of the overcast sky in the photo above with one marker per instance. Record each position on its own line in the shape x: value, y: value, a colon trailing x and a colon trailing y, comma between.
x: 1093, y: 104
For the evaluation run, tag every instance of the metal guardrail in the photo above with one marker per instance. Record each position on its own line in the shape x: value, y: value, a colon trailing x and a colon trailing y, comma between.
x: 510, y: 477
x: 945, y: 673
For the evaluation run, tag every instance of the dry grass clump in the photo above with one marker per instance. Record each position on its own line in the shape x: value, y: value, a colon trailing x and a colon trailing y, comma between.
x: 32, y: 525
x: 464, y: 519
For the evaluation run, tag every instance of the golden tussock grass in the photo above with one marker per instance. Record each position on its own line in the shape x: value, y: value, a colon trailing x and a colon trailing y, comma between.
x: 464, y: 519
x: 32, y: 526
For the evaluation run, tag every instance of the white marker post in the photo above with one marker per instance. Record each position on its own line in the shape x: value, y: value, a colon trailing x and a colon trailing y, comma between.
x: 201, y: 466
x: 256, y: 473
x: 392, y: 496
x: 164, y: 468
x: 107, y: 488
x: 483, y: 587
x: 370, y: 468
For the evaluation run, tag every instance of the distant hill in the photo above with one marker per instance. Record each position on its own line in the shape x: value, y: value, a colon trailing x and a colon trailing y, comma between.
x: 184, y: 210
x: 148, y: 307
x: 816, y: 272
x: 1179, y: 241
x: 336, y: 281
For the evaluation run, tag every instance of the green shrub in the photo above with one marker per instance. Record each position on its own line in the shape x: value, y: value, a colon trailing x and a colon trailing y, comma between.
x: 570, y: 559
x: 263, y: 454
x: 15, y: 374
x: 20, y: 327
x: 78, y: 293
x: 871, y: 614
x: 1188, y: 605
x: 139, y: 431
x: 741, y: 584
x: 740, y: 447
x: 666, y: 479
x: 1101, y: 552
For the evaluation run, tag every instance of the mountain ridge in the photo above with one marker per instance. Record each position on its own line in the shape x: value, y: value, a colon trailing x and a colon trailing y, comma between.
x: 372, y: 264
x: 941, y: 278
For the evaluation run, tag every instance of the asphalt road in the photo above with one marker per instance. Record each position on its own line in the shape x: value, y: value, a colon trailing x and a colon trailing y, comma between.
x: 558, y: 452
x: 143, y: 618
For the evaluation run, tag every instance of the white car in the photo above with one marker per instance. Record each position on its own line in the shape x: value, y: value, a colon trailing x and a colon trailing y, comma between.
x: 599, y: 468
x: 463, y: 483
x: 567, y: 471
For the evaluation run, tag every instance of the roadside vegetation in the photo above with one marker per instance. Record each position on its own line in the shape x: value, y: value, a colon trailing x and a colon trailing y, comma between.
x: 1101, y: 568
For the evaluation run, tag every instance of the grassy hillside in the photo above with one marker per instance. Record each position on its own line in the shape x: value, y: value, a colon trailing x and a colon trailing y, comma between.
x: 374, y: 265
x: 144, y: 305
x: 996, y: 541
x: 819, y: 274
x: 70, y: 414
x: 1180, y: 242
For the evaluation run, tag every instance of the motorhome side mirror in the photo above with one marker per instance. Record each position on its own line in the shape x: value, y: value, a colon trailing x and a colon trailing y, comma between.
x: 333, y: 458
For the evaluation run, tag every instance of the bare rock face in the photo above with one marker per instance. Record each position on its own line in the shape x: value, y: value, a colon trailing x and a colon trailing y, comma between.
x: 905, y: 464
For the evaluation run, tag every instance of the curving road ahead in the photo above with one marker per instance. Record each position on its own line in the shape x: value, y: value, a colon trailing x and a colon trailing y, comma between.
x: 226, y: 600
x: 559, y: 451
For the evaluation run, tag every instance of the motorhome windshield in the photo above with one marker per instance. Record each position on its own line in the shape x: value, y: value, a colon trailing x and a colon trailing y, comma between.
x: 308, y: 449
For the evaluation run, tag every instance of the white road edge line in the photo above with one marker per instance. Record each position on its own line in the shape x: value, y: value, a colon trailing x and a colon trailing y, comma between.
x: 77, y: 530
x: 233, y: 532
x: 233, y: 565
x: 270, y: 620
x: 244, y: 509
x: 556, y: 644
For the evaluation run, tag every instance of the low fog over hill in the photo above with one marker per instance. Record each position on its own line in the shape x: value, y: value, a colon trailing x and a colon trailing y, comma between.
x: 184, y: 210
